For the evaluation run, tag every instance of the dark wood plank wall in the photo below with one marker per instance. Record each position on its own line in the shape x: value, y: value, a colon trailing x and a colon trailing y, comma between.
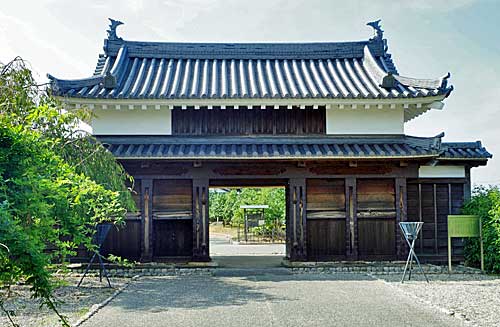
x: 376, y: 218
x: 126, y: 241
x: 347, y: 217
x: 243, y: 121
x: 431, y: 202
x: 172, y: 218
x: 172, y: 196
x: 326, y: 219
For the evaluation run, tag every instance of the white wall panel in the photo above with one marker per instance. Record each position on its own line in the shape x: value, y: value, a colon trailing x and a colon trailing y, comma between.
x: 132, y: 122
x: 441, y: 172
x: 362, y: 121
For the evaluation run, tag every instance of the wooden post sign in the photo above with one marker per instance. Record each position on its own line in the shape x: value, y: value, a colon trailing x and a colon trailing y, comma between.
x: 464, y: 226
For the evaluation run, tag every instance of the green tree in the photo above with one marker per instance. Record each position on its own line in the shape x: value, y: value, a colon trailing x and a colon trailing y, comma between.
x: 226, y: 205
x: 485, y: 203
x: 56, y: 184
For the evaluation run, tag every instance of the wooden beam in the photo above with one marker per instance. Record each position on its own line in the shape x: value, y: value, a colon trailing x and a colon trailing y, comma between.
x: 436, y: 241
x: 351, y: 218
x: 301, y: 164
x: 420, y: 217
x: 467, y: 184
x: 146, y: 220
x: 200, y: 220
x: 297, y: 220
x: 401, y: 215
x: 450, y: 203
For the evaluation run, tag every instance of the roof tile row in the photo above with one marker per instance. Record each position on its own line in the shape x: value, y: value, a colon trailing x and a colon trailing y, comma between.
x: 291, y: 148
x: 156, y: 70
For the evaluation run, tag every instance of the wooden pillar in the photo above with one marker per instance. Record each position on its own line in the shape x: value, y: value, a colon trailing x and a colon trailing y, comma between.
x: 297, y: 219
x: 436, y: 240
x: 146, y: 220
x: 467, y: 185
x: 420, y: 218
x: 351, y: 219
x: 401, y: 216
x: 200, y: 220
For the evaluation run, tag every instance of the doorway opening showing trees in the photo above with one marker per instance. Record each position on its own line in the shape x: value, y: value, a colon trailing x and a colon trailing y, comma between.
x: 247, y: 224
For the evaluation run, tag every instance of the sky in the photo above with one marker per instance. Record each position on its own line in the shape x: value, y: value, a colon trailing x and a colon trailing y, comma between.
x: 427, y: 39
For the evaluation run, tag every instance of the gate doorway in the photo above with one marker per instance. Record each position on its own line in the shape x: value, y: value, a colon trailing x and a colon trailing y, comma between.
x: 247, y: 223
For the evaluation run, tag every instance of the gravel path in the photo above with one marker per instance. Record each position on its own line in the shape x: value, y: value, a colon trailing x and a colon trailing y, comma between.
x: 75, y: 302
x: 474, y: 298
x: 266, y: 300
x: 277, y: 299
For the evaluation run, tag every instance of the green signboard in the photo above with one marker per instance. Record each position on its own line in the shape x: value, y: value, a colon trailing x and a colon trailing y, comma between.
x: 464, y: 226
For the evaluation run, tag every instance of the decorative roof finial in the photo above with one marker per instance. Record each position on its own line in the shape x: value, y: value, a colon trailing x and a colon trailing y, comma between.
x: 112, y: 29
x: 444, y: 82
x: 377, y: 29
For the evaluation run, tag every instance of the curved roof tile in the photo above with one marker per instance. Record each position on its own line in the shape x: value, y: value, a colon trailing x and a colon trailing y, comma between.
x: 274, y: 147
x: 361, y: 69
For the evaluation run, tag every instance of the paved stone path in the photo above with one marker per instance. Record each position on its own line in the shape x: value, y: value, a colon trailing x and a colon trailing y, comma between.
x: 229, y: 254
x: 221, y: 245
x: 250, y: 298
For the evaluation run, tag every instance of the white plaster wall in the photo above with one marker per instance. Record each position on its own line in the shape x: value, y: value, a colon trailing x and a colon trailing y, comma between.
x: 441, y: 172
x: 364, y: 121
x: 132, y: 122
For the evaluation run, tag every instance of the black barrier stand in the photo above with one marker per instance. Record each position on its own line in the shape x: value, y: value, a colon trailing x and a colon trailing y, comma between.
x: 410, y: 231
x: 98, y: 239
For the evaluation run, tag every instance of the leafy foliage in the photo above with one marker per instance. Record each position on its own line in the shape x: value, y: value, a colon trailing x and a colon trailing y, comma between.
x: 225, y: 205
x: 485, y: 202
x: 56, y: 184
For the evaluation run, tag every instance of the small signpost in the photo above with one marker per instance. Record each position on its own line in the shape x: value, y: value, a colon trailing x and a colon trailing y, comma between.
x: 464, y: 226
x: 252, y: 220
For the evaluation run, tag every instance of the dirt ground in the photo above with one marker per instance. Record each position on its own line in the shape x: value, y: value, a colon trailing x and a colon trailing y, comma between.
x: 74, y: 302
x: 224, y: 230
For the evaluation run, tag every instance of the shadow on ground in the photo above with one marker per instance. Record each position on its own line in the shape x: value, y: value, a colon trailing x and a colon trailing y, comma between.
x: 155, y: 294
x: 192, y: 292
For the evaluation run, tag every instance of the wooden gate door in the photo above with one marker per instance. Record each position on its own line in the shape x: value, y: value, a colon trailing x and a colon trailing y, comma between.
x: 376, y: 218
x: 172, y: 230
x: 326, y: 219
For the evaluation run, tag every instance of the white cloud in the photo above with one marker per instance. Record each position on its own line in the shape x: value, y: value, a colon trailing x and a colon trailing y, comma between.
x: 440, y: 5
x: 21, y: 39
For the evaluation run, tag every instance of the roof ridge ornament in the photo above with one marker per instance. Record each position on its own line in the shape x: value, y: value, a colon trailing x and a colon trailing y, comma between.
x: 389, y: 81
x: 109, y: 81
x: 436, y: 144
x: 112, y: 29
x: 378, y: 33
x: 53, y: 83
x: 444, y: 81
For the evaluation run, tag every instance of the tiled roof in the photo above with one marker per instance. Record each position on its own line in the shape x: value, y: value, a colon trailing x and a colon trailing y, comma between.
x: 154, y: 70
x: 464, y: 150
x: 328, y: 147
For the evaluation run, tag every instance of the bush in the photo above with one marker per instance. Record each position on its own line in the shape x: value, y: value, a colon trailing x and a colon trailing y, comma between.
x: 43, y: 201
x: 56, y: 185
x: 485, y: 203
